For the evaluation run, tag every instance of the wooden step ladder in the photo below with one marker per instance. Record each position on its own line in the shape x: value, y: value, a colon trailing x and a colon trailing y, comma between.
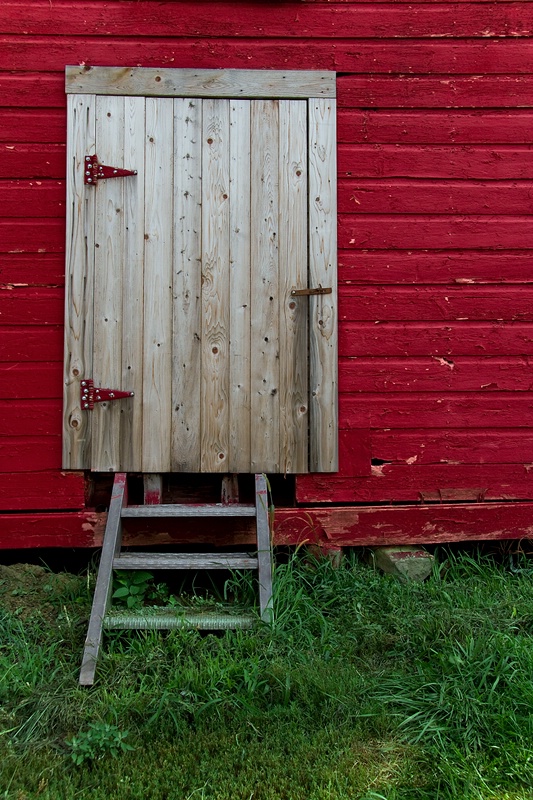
x: 112, y: 558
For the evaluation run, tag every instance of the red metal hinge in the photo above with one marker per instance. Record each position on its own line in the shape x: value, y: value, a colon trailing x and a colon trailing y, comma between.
x: 94, y: 171
x: 91, y: 394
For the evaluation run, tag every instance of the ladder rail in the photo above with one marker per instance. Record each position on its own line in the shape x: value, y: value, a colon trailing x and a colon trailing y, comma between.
x: 104, y: 581
x: 264, y: 550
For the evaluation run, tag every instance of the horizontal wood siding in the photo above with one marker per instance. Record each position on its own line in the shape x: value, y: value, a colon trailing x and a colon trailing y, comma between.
x: 435, y: 171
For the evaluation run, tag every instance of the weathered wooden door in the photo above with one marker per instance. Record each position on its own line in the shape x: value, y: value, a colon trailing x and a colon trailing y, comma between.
x: 180, y: 278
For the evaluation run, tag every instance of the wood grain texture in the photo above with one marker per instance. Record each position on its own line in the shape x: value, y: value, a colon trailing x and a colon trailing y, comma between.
x: 323, y: 455
x: 248, y: 179
x: 265, y: 375
x: 193, y: 83
x: 109, y: 280
x: 157, y: 362
x: 240, y: 334
x: 293, y: 269
x: 187, y: 286
x: 131, y: 373
x: 215, y: 286
x: 79, y: 313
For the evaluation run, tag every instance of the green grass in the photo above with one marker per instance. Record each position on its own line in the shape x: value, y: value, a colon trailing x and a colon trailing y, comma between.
x: 365, y: 688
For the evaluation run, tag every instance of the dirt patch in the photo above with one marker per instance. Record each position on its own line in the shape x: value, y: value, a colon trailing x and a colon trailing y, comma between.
x: 30, y: 590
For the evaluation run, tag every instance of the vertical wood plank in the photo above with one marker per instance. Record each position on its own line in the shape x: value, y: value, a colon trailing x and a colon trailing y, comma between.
x: 293, y: 394
x: 239, y: 334
x: 264, y: 287
x: 131, y: 378
x: 152, y: 488
x: 215, y: 286
x: 109, y: 263
x: 79, y: 281
x: 323, y: 271
x: 157, y: 360
x: 187, y: 323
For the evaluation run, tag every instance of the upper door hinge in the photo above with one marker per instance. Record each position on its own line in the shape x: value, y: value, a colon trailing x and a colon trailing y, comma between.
x: 91, y: 394
x: 94, y: 171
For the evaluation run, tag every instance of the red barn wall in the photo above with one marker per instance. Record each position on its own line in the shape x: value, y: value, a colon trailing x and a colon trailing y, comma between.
x: 435, y: 236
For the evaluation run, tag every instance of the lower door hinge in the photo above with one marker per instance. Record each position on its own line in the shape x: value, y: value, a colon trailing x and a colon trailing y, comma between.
x: 91, y: 394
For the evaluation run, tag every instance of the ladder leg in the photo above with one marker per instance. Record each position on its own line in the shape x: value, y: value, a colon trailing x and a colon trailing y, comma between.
x: 102, y: 592
x: 264, y: 550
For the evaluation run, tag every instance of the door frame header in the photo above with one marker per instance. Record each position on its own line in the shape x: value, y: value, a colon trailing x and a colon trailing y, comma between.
x: 223, y: 83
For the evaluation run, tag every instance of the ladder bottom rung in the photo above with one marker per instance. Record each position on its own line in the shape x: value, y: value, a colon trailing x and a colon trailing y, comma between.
x: 172, y: 620
x: 185, y: 561
x: 202, y: 510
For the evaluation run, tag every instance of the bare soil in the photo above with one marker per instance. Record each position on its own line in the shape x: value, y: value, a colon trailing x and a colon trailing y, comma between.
x: 29, y: 590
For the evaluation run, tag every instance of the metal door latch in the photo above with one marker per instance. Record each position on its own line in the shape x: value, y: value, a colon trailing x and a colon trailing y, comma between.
x: 93, y: 171
x: 91, y: 394
x: 309, y: 292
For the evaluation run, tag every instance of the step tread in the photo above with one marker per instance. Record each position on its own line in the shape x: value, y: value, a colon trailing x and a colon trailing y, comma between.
x: 185, y: 561
x: 190, y: 510
x: 172, y: 618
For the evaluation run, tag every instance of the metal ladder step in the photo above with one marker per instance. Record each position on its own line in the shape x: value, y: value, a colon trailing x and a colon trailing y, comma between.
x: 185, y: 561
x: 197, y: 510
x: 166, y: 619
